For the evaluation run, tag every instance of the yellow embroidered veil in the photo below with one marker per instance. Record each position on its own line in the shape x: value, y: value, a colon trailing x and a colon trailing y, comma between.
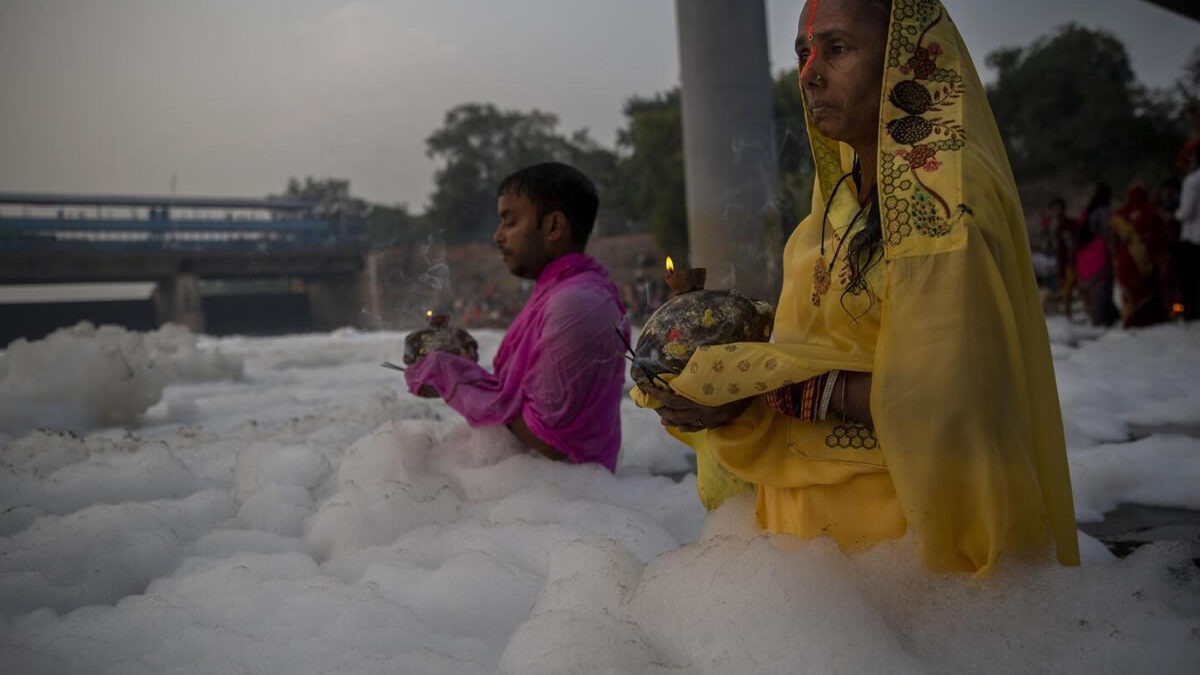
x: 963, y: 396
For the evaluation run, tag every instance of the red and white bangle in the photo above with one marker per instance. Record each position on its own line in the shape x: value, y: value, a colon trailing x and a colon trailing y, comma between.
x: 807, y: 401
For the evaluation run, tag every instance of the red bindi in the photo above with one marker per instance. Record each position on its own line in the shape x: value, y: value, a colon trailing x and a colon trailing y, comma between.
x: 808, y: 34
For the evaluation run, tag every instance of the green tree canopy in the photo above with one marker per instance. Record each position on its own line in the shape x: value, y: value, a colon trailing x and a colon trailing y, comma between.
x: 1188, y: 84
x: 384, y: 225
x: 652, y: 161
x: 331, y: 196
x: 1069, y: 104
x: 652, y: 167
x: 795, y: 155
x: 393, y: 225
x: 479, y: 144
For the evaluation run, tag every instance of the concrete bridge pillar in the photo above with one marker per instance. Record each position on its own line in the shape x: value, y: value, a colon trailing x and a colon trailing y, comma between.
x: 729, y: 144
x: 177, y: 300
x: 337, y: 302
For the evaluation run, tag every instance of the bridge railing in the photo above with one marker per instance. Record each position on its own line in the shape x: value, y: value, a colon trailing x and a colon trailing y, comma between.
x: 265, y: 236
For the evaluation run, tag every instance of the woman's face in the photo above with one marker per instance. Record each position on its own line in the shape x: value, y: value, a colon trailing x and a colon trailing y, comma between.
x: 840, y: 45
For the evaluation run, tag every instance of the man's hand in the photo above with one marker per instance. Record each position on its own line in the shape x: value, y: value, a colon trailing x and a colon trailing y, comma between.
x: 689, y: 416
x: 425, y: 390
x: 522, y: 431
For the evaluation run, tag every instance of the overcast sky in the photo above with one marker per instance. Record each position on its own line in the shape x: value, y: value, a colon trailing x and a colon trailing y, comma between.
x: 234, y: 96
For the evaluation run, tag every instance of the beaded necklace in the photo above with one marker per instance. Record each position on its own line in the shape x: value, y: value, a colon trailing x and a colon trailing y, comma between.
x: 822, y: 271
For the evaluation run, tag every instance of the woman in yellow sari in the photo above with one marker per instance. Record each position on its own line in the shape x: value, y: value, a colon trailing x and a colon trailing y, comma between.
x: 909, y: 385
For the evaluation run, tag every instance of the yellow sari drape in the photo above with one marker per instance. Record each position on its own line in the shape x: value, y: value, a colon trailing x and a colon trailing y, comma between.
x: 968, y: 447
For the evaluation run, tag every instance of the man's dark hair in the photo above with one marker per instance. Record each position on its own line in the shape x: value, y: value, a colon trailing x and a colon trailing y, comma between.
x: 1058, y: 201
x: 554, y: 186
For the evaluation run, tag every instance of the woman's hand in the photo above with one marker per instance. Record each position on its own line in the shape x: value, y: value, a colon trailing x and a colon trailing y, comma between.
x: 689, y: 416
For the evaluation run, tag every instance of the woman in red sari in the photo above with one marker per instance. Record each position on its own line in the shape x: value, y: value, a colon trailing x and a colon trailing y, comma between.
x: 1139, y: 249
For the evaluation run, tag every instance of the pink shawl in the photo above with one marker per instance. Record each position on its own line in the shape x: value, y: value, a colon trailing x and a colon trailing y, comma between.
x: 559, y: 366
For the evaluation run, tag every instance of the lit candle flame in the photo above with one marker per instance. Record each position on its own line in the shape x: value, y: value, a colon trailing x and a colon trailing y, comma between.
x: 1178, y: 308
x: 429, y: 314
x: 670, y: 265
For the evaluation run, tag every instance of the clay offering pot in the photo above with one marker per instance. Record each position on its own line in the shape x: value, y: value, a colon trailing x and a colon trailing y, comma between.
x: 438, y: 337
x: 693, y: 318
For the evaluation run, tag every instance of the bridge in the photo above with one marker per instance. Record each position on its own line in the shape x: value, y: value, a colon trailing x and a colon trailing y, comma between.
x: 189, y: 252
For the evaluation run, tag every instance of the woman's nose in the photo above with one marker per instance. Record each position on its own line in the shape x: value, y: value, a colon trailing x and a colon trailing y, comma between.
x: 809, y: 75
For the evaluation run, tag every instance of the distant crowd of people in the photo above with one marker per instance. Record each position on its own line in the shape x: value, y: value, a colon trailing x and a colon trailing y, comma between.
x: 643, y: 296
x: 1138, y: 263
x: 491, y: 310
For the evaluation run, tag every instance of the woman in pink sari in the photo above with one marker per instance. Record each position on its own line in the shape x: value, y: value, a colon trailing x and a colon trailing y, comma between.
x: 1092, y: 262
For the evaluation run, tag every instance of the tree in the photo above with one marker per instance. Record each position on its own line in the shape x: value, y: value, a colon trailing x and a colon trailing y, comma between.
x: 1069, y: 103
x: 332, y: 202
x: 1188, y: 84
x: 479, y: 144
x: 1187, y: 88
x: 794, y: 193
x: 603, y: 166
x: 330, y: 195
x: 652, y: 168
x: 392, y: 225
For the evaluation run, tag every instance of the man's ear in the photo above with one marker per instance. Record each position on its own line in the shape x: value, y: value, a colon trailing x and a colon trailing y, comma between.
x: 558, y: 229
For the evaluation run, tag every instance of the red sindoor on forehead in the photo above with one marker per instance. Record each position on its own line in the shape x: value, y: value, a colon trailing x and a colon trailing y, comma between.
x: 808, y: 34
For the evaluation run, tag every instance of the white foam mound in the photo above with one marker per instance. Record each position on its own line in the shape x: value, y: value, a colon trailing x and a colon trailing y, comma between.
x: 1154, y: 471
x: 1145, y: 377
x: 424, y: 557
x: 739, y: 602
x: 85, y: 377
x: 304, y: 517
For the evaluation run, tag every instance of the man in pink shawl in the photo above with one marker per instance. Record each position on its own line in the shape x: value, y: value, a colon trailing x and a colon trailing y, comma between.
x: 559, y: 374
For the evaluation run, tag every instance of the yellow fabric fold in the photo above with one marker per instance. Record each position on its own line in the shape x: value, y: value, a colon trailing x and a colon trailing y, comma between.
x: 856, y: 512
x: 967, y: 419
x: 714, y: 483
